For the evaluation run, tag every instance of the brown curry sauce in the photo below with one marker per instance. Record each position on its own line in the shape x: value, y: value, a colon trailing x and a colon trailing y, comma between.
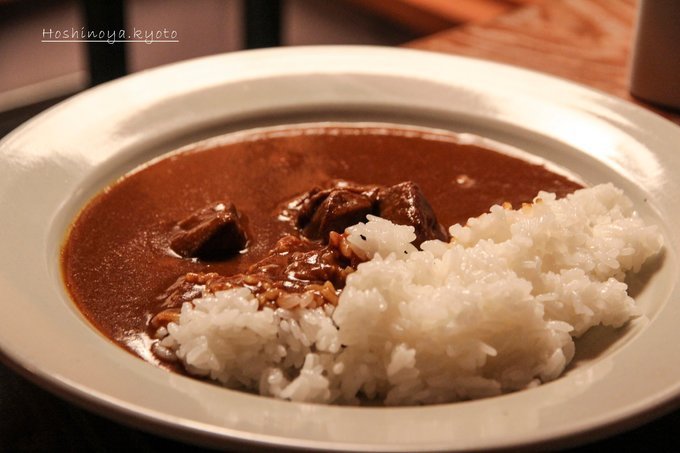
x: 117, y: 262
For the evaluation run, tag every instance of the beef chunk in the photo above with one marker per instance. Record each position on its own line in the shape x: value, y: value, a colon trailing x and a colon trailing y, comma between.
x: 320, y: 211
x: 304, y: 207
x: 212, y: 233
x: 405, y: 204
x: 340, y: 209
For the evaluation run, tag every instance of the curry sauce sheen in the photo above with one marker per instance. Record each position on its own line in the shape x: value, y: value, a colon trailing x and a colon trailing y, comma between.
x: 117, y: 260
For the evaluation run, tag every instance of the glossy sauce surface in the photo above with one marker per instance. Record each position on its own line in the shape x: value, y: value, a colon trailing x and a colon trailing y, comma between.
x: 116, y: 260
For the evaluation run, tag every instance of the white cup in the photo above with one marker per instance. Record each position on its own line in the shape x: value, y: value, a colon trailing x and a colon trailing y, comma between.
x: 655, y: 75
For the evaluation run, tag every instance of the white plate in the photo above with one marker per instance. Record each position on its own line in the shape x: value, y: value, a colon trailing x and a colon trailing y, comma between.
x: 54, y: 163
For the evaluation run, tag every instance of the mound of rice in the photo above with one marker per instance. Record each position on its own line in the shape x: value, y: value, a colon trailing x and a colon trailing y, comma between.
x: 493, y: 311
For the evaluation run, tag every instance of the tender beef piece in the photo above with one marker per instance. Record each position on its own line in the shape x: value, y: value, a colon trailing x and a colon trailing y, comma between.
x: 212, y: 233
x: 320, y: 211
x: 340, y: 209
x: 304, y: 207
x: 405, y: 204
x: 307, y: 206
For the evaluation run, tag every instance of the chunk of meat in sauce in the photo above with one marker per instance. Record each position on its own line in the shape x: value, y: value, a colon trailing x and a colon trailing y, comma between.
x: 340, y: 208
x: 405, y: 204
x: 318, y: 212
x: 213, y: 233
x: 321, y: 211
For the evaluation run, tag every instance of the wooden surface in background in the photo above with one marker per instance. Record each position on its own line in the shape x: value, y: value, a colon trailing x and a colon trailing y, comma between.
x: 586, y: 41
x: 430, y: 16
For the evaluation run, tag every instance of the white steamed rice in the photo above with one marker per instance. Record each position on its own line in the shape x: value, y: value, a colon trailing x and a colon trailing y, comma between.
x: 495, y: 310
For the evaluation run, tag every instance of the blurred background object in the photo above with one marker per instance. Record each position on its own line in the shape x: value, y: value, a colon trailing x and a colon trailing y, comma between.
x: 655, y: 72
x: 36, y: 74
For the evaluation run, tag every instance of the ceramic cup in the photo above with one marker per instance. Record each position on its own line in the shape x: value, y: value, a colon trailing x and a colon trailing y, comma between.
x: 655, y: 74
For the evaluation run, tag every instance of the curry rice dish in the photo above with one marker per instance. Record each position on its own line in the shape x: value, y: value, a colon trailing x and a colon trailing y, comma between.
x: 343, y: 264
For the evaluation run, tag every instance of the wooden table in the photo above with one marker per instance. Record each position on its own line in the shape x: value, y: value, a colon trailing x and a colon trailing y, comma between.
x: 587, y: 41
